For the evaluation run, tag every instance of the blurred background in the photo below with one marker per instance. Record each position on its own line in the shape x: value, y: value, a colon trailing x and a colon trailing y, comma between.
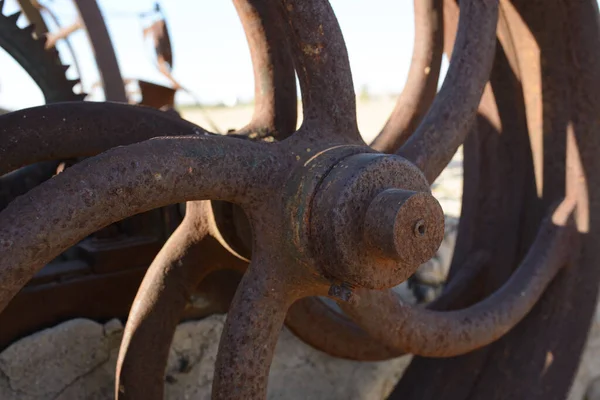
x: 211, y: 57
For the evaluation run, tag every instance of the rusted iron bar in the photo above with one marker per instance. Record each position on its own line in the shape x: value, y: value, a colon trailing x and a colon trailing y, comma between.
x: 462, y: 282
x: 451, y: 333
x: 351, y: 182
x: 68, y: 130
x: 323, y: 68
x: 324, y: 328
x: 253, y: 324
x: 133, y: 179
x: 422, y: 82
x: 447, y: 123
x: 105, y: 55
x: 275, y: 103
x: 275, y: 114
x: 31, y: 9
x: 190, y: 254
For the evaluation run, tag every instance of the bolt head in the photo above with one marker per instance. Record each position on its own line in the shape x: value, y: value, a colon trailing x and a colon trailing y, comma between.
x: 404, y: 225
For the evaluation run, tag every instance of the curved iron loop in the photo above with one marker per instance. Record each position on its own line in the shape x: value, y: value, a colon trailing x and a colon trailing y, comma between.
x: 323, y: 328
x: 275, y: 104
x: 323, y: 68
x: 18, y: 182
x: 190, y: 254
x: 102, y: 46
x: 161, y: 298
x: 461, y: 282
x: 451, y: 333
x: 251, y: 330
x: 119, y: 183
x: 78, y: 129
x: 447, y: 123
x: 421, y: 85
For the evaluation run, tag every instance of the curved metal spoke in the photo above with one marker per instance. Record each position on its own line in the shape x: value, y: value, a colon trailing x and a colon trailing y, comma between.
x: 106, y: 58
x: 447, y: 123
x: 325, y: 329
x: 421, y: 85
x: 189, y: 255
x: 452, y: 333
x: 253, y: 324
x: 78, y: 129
x: 464, y: 279
x: 323, y: 68
x: 119, y: 183
x: 275, y: 104
x: 322, y: 327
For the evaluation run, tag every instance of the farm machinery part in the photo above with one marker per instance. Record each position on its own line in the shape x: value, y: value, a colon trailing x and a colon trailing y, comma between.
x: 90, y: 19
x: 115, y: 257
x: 330, y: 216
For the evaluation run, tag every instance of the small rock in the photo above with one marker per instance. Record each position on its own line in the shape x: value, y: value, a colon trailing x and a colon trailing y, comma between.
x: 46, y: 362
x: 432, y: 273
x: 113, y: 327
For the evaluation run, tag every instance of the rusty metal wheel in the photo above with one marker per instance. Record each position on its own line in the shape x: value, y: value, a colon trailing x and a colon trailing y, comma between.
x: 331, y: 216
x: 46, y: 70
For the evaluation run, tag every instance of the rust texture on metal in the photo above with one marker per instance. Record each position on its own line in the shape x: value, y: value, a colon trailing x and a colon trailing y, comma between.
x: 188, y: 257
x: 323, y: 68
x: 62, y: 131
x: 516, y: 159
x: 451, y: 333
x: 317, y: 213
x: 132, y: 181
x: 275, y: 108
x: 447, y: 122
x: 330, y: 331
x: 157, y: 309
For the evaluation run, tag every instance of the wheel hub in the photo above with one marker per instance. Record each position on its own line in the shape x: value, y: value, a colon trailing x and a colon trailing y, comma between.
x: 364, y: 216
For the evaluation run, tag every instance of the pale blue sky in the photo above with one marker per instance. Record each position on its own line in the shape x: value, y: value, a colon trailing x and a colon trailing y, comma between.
x: 210, y: 52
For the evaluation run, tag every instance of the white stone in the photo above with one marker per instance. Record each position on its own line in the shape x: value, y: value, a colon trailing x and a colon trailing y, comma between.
x: 588, y: 375
x: 298, y: 371
x: 48, y: 361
